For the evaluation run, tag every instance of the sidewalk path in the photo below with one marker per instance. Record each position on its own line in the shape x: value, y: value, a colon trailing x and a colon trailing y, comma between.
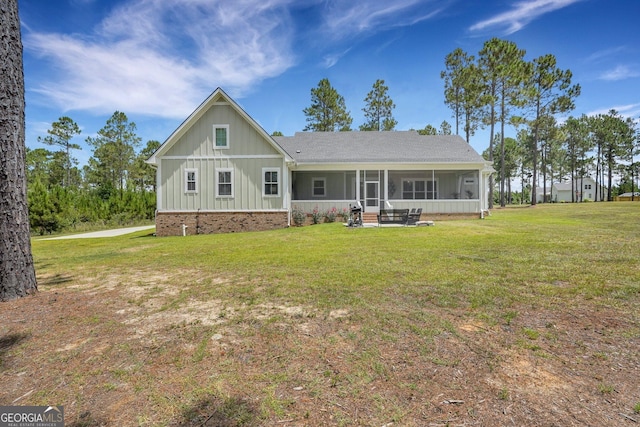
x: 103, y: 233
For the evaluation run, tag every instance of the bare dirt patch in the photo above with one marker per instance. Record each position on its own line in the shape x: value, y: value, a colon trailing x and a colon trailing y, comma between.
x: 139, y: 355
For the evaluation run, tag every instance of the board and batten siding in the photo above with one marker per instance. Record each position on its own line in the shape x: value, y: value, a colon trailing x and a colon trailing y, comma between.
x: 244, y: 140
x: 247, y: 156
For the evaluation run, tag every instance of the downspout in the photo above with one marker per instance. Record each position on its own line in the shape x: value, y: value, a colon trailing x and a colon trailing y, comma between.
x: 286, y: 196
x: 358, y: 185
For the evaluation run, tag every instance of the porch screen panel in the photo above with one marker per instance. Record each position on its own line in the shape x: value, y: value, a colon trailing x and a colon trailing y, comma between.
x: 432, y: 190
x: 419, y: 189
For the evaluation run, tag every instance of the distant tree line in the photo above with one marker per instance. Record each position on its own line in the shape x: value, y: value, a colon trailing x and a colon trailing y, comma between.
x: 500, y: 87
x: 599, y: 147
x: 115, y: 187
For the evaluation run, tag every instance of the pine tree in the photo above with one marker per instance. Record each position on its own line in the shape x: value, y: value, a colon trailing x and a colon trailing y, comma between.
x: 114, y: 151
x: 463, y: 90
x: 379, y: 109
x: 503, y: 71
x: 17, y: 273
x: 328, y: 112
x: 60, y: 134
x: 550, y: 92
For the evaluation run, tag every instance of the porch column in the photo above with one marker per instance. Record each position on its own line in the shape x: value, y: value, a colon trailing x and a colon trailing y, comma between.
x: 159, y: 200
x: 484, y: 191
x: 385, y: 196
x: 358, y: 185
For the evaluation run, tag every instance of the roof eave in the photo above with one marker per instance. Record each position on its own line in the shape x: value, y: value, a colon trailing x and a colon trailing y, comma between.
x: 350, y: 165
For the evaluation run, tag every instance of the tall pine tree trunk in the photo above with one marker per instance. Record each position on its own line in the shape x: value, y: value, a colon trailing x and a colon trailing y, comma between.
x: 502, y: 165
x: 534, y: 157
x: 598, y: 186
x: 17, y: 274
x: 491, y: 182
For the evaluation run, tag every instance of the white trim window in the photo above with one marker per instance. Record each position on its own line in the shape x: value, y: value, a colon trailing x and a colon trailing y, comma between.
x: 220, y: 137
x: 419, y: 189
x: 319, y: 187
x: 191, y: 181
x: 224, y: 183
x: 270, y: 182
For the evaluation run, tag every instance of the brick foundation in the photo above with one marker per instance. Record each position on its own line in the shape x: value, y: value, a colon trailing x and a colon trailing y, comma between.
x: 170, y: 223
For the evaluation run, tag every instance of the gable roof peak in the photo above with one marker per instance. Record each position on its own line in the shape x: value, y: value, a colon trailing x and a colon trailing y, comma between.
x: 199, y: 112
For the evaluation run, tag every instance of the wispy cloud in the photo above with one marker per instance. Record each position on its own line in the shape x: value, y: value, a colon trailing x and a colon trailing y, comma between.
x: 606, y: 53
x: 332, y: 59
x: 621, y: 72
x: 161, y: 58
x: 521, y: 15
x: 627, y: 110
x: 346, y: 18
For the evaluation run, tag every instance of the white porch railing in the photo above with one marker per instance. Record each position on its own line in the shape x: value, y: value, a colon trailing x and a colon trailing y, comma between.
x: 440, y: 206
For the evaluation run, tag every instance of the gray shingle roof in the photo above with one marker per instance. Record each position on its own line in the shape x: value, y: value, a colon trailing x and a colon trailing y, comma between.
x: 377, y: 147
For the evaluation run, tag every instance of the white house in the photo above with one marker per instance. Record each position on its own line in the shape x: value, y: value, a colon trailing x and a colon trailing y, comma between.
x: 582, y: 190
x: 221, y: 172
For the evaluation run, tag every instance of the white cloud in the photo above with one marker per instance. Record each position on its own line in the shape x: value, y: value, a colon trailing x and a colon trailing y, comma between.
x: 332, y: 59
x: 627, y: 110
x: 162, y: 58
x: 606, y: 54
x: 345, y: 18
x: 521, y: 14
x: 621, y: 72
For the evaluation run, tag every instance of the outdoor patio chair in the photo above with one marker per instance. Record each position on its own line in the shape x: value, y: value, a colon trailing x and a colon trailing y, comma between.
x: 414, y: 216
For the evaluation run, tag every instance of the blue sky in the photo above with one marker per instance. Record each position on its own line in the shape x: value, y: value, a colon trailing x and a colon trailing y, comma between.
x: 157, y: 60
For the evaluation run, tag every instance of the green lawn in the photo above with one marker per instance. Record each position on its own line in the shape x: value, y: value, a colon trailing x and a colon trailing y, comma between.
x: 514, y: 255
x: 506, y: 317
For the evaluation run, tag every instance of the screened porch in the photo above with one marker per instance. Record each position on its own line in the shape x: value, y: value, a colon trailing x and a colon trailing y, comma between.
x: 435, y: 191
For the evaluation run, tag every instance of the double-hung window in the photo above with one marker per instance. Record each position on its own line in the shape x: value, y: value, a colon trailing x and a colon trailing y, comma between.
x: 413, y: 189
x: 191, y: 180
x: 220, y: 136
x: 225, y: 183
x: 271, y: 182
x: 319, y: 186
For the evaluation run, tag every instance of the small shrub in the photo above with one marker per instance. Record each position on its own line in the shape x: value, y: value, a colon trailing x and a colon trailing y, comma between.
x: 298, y: 216
x: 331, y: 215
x: 344, y: 214
x: 636, y: 408
x: 316, y: 215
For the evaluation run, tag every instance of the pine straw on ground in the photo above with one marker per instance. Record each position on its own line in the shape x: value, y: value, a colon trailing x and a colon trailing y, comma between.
x: 129, y: 355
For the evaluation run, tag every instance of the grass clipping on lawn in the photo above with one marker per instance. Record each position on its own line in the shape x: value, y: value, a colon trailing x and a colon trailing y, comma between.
x: 529, y: 317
